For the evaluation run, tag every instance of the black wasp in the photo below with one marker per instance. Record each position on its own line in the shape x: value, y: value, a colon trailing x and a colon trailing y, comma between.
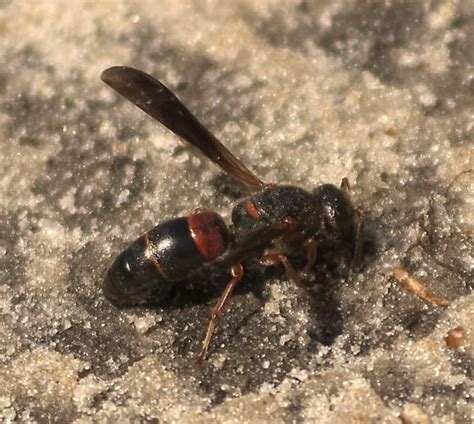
x: 274, y: 216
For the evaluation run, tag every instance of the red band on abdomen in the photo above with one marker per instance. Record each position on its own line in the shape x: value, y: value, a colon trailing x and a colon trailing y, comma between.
x: 207, y: 231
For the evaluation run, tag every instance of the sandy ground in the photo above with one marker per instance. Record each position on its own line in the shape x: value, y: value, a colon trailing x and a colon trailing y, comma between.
x: 305, y: 93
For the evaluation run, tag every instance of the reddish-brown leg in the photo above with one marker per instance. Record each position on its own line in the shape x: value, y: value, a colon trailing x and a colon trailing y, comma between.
x: 311, y: 254
x: 237, y: 272
x: 274, y: 258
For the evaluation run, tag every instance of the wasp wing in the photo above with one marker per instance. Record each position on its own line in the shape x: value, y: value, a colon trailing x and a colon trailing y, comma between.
x: 251, y: 245
x: 156, y: 100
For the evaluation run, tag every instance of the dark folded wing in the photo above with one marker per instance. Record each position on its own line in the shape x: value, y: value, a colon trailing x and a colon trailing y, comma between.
x: 156, y: 100
x: 251, y: 245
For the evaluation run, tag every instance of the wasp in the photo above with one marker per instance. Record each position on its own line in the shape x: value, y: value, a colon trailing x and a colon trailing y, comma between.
x: 286, y: 217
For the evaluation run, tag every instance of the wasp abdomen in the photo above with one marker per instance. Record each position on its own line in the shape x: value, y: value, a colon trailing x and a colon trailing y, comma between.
x: 183, y: 245
x: 169, y: 252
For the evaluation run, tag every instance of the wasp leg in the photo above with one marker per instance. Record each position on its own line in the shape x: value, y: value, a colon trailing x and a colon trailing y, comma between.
x: 274, y: 258
x: 311, y: 254
x: 237, y: 272
x: 359, y: 219
x: 417, y: 287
